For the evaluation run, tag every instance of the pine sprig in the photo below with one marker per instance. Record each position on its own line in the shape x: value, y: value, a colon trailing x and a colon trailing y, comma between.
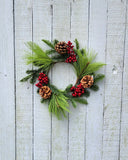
x: 48, y: 43
x: 68, y: 88
x: 87, y: 93
x: 94, y: 87
x: 39, y: 57
x: 80, y: 100
x: 50, y: 51
x: 92, y: 68
x: 58, y: 58
x: 98, y: 77
x: 77, y: 43
x: 25, y: 78
x: 58, y: 105
x: 55, y: 42
x: 84, y: 65
x: 33, y: 74
x: 73, y: 103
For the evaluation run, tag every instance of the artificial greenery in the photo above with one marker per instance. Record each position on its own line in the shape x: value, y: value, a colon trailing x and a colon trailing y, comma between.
x: 59, y: 101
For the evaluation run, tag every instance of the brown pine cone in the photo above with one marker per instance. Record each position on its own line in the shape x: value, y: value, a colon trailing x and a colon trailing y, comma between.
x: 87, y: 81
x: 45, y: 92
x: 61, y: 47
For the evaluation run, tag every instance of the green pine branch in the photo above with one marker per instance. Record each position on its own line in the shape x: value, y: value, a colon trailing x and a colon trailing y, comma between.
x: 33, y: 75
x: 80, y: 100
x: 55, y: 42
x: 77, y: 43
x: 85, y: 64
x: 94, y: 87
x: 50, y: 51
x: 58, y: 105
x: 48, y: 43
x: 98, y: 77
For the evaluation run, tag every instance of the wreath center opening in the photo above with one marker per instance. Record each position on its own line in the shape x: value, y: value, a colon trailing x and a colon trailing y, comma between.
x: 62, y: 74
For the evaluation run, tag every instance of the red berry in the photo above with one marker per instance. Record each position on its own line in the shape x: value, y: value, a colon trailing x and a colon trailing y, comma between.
x: 82, y: 91
x: 79, y: 94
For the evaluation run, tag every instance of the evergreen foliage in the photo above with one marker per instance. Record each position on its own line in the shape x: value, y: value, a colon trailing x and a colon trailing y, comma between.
x: 98, y: 77
x: 85, y: 65
x: 77, y: 44
x: 44, y: 60
x: 48, y: 43
x: 58, y: 105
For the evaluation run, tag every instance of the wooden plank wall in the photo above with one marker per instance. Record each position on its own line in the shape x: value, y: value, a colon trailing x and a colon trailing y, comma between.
x: 98, y: 131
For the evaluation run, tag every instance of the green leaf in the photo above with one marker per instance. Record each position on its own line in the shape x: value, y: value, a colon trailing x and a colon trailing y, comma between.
x: 91, y: 55
x: 77, y: 43
x: 94, y: 87
x: 58, y: 104
x: 50, y: 51
x: 39, y: 57
x: 48, y: 43
x: 54, y: 89
x: 33, y: 74
x: 86, y: 93
x: 25, y: 78
x: 57, y: 58
x: 29, y: 71
x: 80, y: 100
x: 73, y: 103
x: 42, y: 100
x: 33, y: 79
x: 68, y: 88
x: 92, y: 68
x: 38, y: 90
x: 55, y: 42
x: 81, y: 63
x: 98, y: 77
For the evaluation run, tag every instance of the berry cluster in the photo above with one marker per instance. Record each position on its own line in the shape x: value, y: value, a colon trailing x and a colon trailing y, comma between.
x: 43, y: 79
x: 70, y: 51
x: 77, y: 91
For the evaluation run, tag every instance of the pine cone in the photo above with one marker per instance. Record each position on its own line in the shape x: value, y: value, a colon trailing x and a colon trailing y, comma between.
x: 45, y: 92
x: 61, y: 47
x: 87, y: 81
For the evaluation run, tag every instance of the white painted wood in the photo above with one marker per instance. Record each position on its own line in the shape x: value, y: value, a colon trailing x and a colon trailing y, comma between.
x: 113, y: 82
x: 97, y: 41
x: 42, y: 24
x: 77, y: 125
x: 23, y: 33
x: 91, y: 132
x: 7, y: 91
x: 60, y: 77
x: 124, y: 115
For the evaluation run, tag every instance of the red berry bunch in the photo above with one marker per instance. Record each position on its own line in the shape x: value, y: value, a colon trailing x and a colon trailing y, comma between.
x: 43, y: 79
x: 77, y: 91
x: 70, y: 51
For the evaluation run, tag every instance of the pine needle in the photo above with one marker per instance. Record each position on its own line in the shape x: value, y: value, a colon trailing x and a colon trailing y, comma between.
x: 80, y: 100
x: 48, y: 43
x: 98, y: 77
x: 77, y: 43
x: 92, y: 68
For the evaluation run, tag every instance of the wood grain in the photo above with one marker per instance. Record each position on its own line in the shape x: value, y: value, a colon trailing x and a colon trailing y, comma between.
x: 123, y: 148
x: 98, y: 131
x: 23, y: 33
x: 42, y: 22
x: 7, y: 84
x: 60, y: 78
x: 113, y: 83
x: 77, y: 124
x: 94, y: 122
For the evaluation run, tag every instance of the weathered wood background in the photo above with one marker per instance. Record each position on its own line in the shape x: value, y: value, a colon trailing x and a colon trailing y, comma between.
x: 98, y: 131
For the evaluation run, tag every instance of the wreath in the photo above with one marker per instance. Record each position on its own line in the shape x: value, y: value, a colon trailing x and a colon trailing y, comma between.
x: 82, y: 60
